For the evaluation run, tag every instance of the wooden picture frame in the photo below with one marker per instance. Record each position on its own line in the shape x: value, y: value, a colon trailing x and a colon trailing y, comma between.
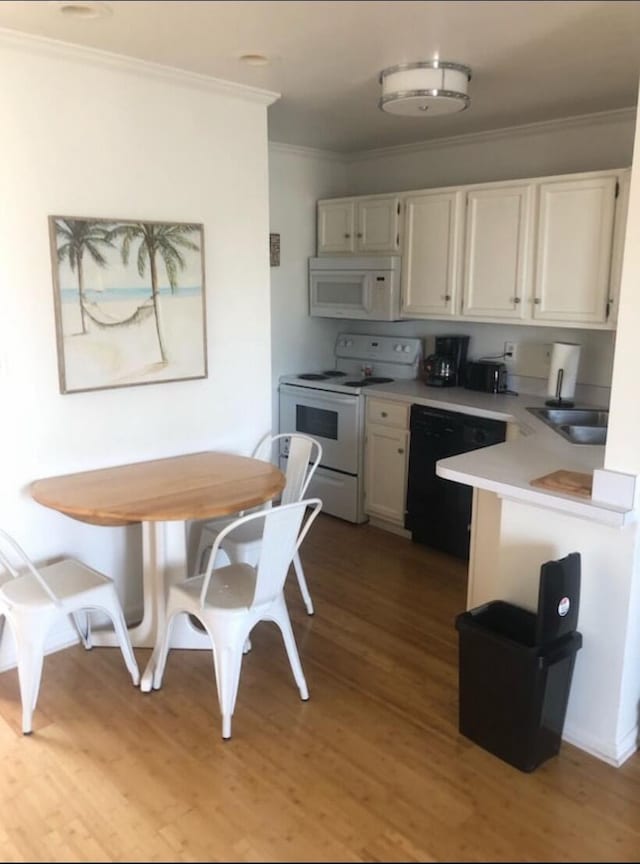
x: 129, y: 300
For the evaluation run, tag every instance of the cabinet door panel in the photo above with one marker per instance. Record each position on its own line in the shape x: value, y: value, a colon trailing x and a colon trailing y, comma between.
x: 574, y: 250
x: 497, y: 251
x: 386, y: 472
x: 378, y: 225
x: 336, y: 227
x: 430, y: 265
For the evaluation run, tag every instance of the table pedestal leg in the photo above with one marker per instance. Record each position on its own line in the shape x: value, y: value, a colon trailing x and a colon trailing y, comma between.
x: 164, y: 563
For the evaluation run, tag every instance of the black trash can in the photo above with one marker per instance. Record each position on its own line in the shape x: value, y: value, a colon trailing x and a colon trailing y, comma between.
x: 515, y: 669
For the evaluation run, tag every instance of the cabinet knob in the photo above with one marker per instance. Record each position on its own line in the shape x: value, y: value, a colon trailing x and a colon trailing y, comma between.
x: 536, y: 301
x: 383, y: 414
x: 516, y: 300
x: 400, y: 450
x: 346, y: 236
x: 446, y: 297
x: 359, y: 235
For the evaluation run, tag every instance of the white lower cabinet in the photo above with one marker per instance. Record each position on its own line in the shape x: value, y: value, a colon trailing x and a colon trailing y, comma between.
x: 386, y: 460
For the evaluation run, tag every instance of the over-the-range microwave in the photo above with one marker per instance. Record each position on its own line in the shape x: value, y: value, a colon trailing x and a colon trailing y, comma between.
x: 355, y: 287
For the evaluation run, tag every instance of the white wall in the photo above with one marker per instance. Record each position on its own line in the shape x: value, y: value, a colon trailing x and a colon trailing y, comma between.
x: 588, y: 143
x: 623, y: 453
x: 297, y: 178
x: 596, y: 356
x: 89, y: 135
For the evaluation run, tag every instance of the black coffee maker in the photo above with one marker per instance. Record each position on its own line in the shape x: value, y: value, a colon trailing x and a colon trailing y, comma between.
x: 445, y: 367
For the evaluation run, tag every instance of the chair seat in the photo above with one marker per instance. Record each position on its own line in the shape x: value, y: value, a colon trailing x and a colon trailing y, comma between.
x: 33, y: 599
x: 304, y: 454
x: 231, y: 587
x: 68, y: 578
x: 229, y: 601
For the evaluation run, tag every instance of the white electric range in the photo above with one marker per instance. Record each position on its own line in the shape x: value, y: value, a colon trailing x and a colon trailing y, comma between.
x: 329, y: 406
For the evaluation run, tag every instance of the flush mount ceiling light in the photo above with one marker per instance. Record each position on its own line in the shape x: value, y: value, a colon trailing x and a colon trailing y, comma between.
x: 426, y: 88
x: 83, y: 9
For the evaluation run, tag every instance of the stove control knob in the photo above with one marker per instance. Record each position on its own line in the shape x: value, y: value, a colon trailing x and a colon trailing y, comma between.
x: 406, y: 349
x: 397, y: 347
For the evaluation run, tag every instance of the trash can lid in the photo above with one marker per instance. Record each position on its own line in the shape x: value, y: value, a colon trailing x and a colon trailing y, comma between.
x: 558, y: 599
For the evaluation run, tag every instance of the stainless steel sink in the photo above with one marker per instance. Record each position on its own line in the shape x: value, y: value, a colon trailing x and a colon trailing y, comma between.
x: 578, y: 425
x: 583, y: 434
x: 576, y: 416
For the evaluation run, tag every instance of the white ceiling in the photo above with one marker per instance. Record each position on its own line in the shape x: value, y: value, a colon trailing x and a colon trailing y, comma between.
x: 530, y: 61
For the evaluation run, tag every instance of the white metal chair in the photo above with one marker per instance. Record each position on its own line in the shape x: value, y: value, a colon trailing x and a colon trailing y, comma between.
x: 229, y: 601
x: 244, y: 546
x: 31, y: 599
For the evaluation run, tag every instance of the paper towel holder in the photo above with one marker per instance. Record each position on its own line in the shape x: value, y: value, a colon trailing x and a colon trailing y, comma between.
x: 559, y: 402
x: 565, y: 358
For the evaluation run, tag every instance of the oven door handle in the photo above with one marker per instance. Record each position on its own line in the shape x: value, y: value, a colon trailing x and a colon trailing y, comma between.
x: 302, y: 395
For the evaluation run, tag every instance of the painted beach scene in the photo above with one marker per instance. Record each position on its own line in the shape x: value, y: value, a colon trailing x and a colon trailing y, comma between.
x: 129, y: 302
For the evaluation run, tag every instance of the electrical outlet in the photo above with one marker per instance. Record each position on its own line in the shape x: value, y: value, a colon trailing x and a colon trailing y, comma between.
x: 510, y: 351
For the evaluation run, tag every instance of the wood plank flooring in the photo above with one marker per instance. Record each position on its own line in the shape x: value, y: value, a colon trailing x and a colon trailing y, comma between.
x: 372, y: 768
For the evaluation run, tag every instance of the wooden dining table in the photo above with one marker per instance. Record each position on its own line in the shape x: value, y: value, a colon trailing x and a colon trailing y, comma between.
x: 162, y: 495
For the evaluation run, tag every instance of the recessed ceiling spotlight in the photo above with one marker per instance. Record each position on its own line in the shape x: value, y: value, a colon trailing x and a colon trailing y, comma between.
x: 83, y: 9
x: 254, y: 59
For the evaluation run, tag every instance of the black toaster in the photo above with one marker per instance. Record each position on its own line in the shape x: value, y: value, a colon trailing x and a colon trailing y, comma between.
x: 485, y: 375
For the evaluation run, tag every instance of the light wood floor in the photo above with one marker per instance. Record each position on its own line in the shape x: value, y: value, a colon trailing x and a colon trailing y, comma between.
x: 372, y: 768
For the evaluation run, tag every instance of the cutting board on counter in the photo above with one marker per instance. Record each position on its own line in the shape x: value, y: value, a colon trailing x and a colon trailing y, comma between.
x: 567, y: 482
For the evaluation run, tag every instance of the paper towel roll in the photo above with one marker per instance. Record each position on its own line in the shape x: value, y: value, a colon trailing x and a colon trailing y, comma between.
x: 565, y: 357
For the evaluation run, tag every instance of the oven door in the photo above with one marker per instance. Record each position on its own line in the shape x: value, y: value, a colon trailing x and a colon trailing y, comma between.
x: 333, y: 419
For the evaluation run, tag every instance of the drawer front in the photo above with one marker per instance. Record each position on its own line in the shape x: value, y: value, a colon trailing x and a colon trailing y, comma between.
x: 388, y: 413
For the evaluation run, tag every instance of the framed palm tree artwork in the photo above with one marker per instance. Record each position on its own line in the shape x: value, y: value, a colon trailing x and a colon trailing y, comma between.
x: 129, y: 302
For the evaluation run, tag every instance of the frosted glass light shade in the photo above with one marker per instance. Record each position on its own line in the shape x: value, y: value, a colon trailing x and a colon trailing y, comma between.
x: 424, y: 89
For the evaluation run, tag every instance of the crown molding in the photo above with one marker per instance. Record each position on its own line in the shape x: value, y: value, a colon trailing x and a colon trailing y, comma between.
x: 16, y: 40
x: 308, y: 152
x: 523, y: 130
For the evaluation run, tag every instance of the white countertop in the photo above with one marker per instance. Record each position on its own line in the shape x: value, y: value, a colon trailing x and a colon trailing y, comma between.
x: 508, y: 468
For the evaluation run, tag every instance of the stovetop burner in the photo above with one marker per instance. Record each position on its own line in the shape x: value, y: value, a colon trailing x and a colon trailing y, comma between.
x: 366, y: 382
x: 334, y: 373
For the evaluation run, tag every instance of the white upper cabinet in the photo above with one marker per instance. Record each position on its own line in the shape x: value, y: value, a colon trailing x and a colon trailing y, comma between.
x: 365, y: 225
x: 497, y: 251
x: 431, y: 253
x: 617, y: 250
x: 539, y: 251
x: 336, y: 226
x: 574, y: 249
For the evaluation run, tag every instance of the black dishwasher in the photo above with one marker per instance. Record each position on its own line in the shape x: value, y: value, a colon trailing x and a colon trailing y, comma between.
x: 439, y: 510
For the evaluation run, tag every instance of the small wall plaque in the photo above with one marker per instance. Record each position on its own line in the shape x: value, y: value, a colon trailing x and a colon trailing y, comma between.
x: 274, y: 249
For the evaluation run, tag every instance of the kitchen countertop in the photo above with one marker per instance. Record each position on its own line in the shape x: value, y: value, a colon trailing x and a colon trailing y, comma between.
x: 508, y: 468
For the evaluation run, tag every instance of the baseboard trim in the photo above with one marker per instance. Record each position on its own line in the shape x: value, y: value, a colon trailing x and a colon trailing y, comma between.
x: 613, y: 754
x: 389, y: 526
